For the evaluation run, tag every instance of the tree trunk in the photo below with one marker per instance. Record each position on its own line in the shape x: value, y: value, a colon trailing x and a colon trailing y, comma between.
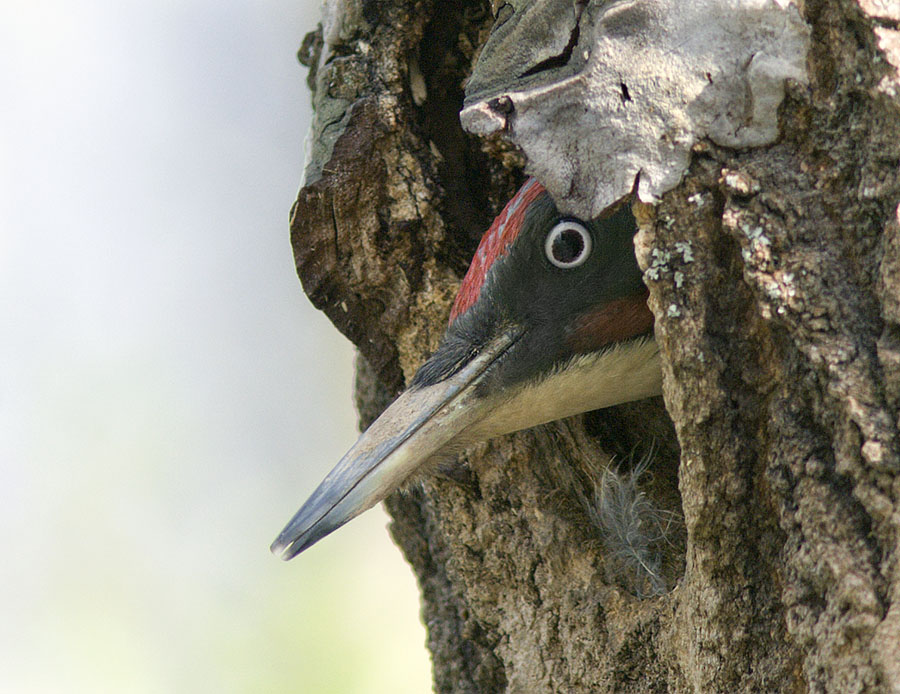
x: 774, y: 276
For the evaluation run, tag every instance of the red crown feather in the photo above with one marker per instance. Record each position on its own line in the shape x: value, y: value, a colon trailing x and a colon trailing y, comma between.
x: 494, y: 244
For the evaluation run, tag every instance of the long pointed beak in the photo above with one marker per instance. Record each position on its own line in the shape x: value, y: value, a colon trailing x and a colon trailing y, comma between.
x: 416, y: 427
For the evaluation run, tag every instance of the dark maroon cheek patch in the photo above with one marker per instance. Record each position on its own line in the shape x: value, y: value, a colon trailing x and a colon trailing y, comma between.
x: 494, y: 244
x: 616, y: 320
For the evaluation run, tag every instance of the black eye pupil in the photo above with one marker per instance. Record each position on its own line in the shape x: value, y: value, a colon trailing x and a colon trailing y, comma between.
x: 567, y: 246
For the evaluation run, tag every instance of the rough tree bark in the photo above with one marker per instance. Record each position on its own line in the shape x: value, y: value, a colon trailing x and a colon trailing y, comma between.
x: 774, y: 276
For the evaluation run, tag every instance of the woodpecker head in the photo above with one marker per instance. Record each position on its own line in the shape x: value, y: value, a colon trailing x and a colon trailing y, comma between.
x: 550, y: 320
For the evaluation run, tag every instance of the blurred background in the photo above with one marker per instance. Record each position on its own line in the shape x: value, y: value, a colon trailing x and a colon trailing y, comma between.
x: 168, y: 397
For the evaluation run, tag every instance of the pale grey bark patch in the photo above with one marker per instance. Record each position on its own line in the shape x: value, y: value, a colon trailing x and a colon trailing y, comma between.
x: 608, y: 97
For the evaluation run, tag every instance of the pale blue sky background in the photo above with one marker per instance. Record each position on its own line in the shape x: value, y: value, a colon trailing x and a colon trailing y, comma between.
x: 168, y: 396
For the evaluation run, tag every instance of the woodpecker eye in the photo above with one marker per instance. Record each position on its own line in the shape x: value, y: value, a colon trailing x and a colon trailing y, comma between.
x: 568, y: 244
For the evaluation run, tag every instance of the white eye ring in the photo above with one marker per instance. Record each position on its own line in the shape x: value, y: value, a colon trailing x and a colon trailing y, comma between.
x: 568, y: 244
